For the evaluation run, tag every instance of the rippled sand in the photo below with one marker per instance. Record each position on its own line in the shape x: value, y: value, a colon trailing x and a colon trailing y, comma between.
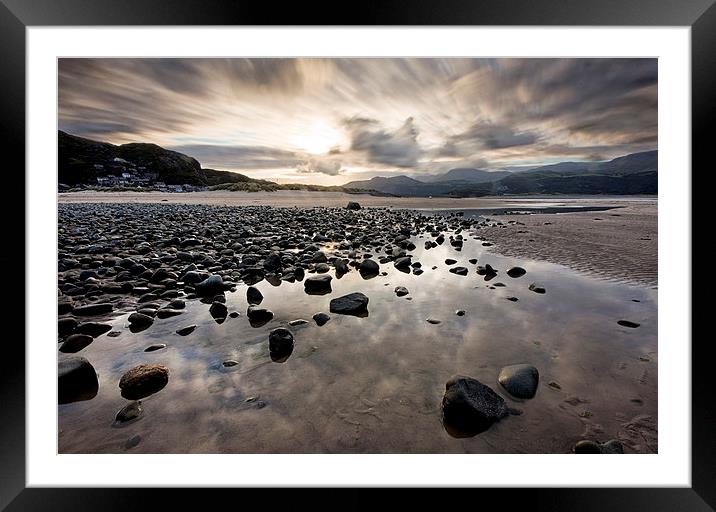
x: 620, y: 244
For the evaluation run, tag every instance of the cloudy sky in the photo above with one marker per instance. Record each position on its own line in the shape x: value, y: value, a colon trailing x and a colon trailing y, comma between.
x: 329, y: 121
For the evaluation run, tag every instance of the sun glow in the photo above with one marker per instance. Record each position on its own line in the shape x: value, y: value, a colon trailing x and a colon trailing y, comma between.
x: 319, y: 139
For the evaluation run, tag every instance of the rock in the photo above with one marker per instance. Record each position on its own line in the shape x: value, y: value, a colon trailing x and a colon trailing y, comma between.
x: 186, y: 330
x: 322, y: 268
x: 76, y: 380
x: 627, y: 323
x: 176, y: 304
x: 297, y: 322
x: 66, y: 325
x: 253, y: 295
x: 210, y: 286
x: 519, y: 380
x: 93, y: 309
x: 587, y: 446
x: 450, y: 261
x: 512, y: 299
x: 369, y: 268
x: 433, y: 321
x: 94, y: 329
x: 318, y: 284
x: 167, y: 312
x: 129, y: 413
x: 516, y: 272
x: 155, y: 347
x: 352, y: 304
x: 460, y: 312
x: 471, y: 406
x: 218, y: 310
x: 537, y: 288
x: 114, y: 334
x: 258, y: 316
x: 352, y: 205
x: 401, y: 291
x: 140, y: 320
x: 143, y: 380
x: 461, y: 271
x: 229, y: 363
x: 402, y: 263
x: 75, y: 343
x: 319, y: 257
x: 321, y: 318
x: 280, y: 344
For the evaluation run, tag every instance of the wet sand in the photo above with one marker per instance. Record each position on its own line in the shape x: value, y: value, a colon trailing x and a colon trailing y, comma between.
x: 621, y: 245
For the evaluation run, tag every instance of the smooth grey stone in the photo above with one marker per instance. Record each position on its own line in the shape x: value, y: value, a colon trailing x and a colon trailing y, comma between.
x: 519, y: 380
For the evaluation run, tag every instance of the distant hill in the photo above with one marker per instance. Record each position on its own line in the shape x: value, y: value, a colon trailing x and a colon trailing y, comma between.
x: 628, y: 164
x: 636, y: 173
x: 466, y: 174
x: 81, y: 161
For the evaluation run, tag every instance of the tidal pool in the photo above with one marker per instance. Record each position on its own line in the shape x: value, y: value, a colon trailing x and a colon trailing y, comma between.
x: 374, y: 384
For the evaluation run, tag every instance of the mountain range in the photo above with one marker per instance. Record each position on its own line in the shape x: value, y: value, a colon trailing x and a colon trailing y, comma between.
x: 636, y: 173
x: 83, y: 162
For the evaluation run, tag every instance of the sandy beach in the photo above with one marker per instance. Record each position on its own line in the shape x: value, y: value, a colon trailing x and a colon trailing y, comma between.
x: 621, y: 245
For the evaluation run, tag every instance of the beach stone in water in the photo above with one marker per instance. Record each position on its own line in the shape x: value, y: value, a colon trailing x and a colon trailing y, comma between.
x: 218, y: 310
x: 369, y: 268
x: 210, y: 286
x: 401, y: 291
x: 140, y: 320
x: 450, y: 261
x: 76, y: 380
x: 461, y: 271
x: 627, y: 323
x: 351, y: 304
x: 318, y: 284
x: 587, y: 446
x: 155, y: 347
x: 471, y: 406
x: 433, y: 321
x: 519, y: 380
x: 253, y: 295
x: 537, y: 288
x: 128, y: 413
x: 297, y: 322
x: 75, y: 343
x: 66, y: 325
x: 321, y: 318
x: 94, y: 329
x: 92, y: 309
x: 402, y: 263
x: 460, y: 312
x: 516, y: 272
x: 259, y: 314
x: 143, y: 380
x: 280, y: 344
x: 186, y: 330
x: 168, y: 312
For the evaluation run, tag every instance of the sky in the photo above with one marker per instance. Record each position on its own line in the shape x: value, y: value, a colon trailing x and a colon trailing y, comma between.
x: 330, y: 121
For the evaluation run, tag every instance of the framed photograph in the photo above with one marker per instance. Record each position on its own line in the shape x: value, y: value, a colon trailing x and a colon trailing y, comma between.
x: 414, y: 248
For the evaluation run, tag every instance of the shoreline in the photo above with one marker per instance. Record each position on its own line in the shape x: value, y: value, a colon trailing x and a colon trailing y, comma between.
x: 622, y: 245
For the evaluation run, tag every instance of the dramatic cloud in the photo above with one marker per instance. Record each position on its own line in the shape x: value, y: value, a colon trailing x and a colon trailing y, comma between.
x: 296, y: 118
x: 399, y: 147
x: 321, y: 166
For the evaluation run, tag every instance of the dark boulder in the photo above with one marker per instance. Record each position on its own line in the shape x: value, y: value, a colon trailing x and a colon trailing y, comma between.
x: 519, y: 380
x: 470, y: 406
x: 352, y: 304
x: 76, y: 380
x: 143, y: 380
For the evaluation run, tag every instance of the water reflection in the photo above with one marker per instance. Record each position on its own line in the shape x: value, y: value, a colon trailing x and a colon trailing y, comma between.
x: 375, y: 383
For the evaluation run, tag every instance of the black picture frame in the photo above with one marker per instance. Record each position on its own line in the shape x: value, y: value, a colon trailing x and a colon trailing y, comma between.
x: 17, y: 15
